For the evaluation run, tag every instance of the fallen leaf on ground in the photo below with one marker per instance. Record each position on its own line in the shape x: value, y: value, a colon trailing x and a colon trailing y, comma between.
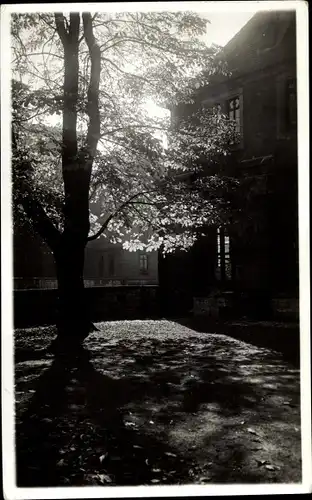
x: 270, y: 467
x: 252, y: 431
x: 104, y: 478
x: 102, y: 457
x: 129, y: 424
x: 289, y: 403
x: 169, y: 454
x: 61, y: 462
x: 261, y: 462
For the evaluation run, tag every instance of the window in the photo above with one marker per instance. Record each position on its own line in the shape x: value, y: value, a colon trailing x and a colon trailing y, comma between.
x: 234, y: 112
x: 291, y: 104
x: 143, y: 263
x: 217, y: 108
x: 111, y: 265
x: 217, y: 111
x: 231, y: 105
x: 101, y: 266
x: 224, y: 268
x: 286, y: 106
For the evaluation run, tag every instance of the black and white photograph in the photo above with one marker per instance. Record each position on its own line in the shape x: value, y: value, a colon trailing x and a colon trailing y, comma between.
x: 155, y: 249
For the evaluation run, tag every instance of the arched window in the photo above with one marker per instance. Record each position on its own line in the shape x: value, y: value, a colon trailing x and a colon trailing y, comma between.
x: 235, y: 112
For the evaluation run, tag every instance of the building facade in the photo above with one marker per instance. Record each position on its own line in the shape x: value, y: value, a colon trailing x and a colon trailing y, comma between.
x: 110, y: 264
x: 105, y: 264
x: 256, y: 257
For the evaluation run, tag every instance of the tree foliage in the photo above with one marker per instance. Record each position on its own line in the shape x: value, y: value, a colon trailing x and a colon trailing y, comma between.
x: 82, y: 128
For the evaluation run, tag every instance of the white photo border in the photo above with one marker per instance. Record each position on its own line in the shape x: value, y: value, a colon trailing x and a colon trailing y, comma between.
x: 8, y: 445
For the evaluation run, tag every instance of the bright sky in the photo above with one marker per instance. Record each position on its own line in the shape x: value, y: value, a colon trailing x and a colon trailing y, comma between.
x: 221, y: 30
x: 223, y: 27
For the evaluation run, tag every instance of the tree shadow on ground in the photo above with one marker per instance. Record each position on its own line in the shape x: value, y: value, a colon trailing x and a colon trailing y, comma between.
x: 284, y: 339
x: 217, y: 404
x: 75, y: 408
x: 145, y: 411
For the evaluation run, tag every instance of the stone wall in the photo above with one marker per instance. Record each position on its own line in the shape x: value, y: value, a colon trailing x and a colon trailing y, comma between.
x: 286, y: 307
x: 228, y: 305
x: 39, y: 307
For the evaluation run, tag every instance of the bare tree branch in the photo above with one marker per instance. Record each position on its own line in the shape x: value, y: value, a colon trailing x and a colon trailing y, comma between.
x: 51, y: 25
x: 40, y: 112
x: 119, y: 209
x: 32, y: 207
x: 155, y: 227
x: 150, y: 203
x: 60, y: 27
x: 126, y: 72
x: 129, y: 127
x: 41, y: 222
x: 41, y: 54
x: 71, y: 71
x: 93, y: 134
x: 186, y: 51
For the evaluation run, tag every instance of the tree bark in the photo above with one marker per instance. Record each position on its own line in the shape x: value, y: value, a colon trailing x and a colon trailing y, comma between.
x: 73, y: 318
x: 73, y: 321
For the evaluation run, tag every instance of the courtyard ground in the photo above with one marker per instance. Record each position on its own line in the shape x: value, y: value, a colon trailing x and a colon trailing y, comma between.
x: 155, y: 402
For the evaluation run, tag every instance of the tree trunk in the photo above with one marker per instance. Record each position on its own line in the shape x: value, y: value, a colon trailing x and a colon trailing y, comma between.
x: 73, y: 315
x: 74, y: 322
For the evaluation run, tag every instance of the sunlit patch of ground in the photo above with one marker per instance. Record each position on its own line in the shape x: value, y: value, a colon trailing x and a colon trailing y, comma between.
x: 156, y: 403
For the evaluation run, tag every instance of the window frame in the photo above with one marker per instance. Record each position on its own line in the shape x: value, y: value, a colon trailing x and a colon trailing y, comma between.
x: 111, y: 265
x: 285, y: 130
x: 235, y: 110
x: 143, y: 269
x: 101, y: 266
x: 224, y: 258
x: 291, y: 124
x: 231, y: 96
x: 222, y: 99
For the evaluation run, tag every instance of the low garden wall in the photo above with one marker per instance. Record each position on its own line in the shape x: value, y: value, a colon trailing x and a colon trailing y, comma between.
x: 39, y: 307
x: 255, y: 306
x: 34, y: 307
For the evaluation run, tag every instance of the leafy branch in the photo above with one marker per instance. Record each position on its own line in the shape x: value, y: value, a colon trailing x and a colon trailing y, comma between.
x: 116, y: 212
